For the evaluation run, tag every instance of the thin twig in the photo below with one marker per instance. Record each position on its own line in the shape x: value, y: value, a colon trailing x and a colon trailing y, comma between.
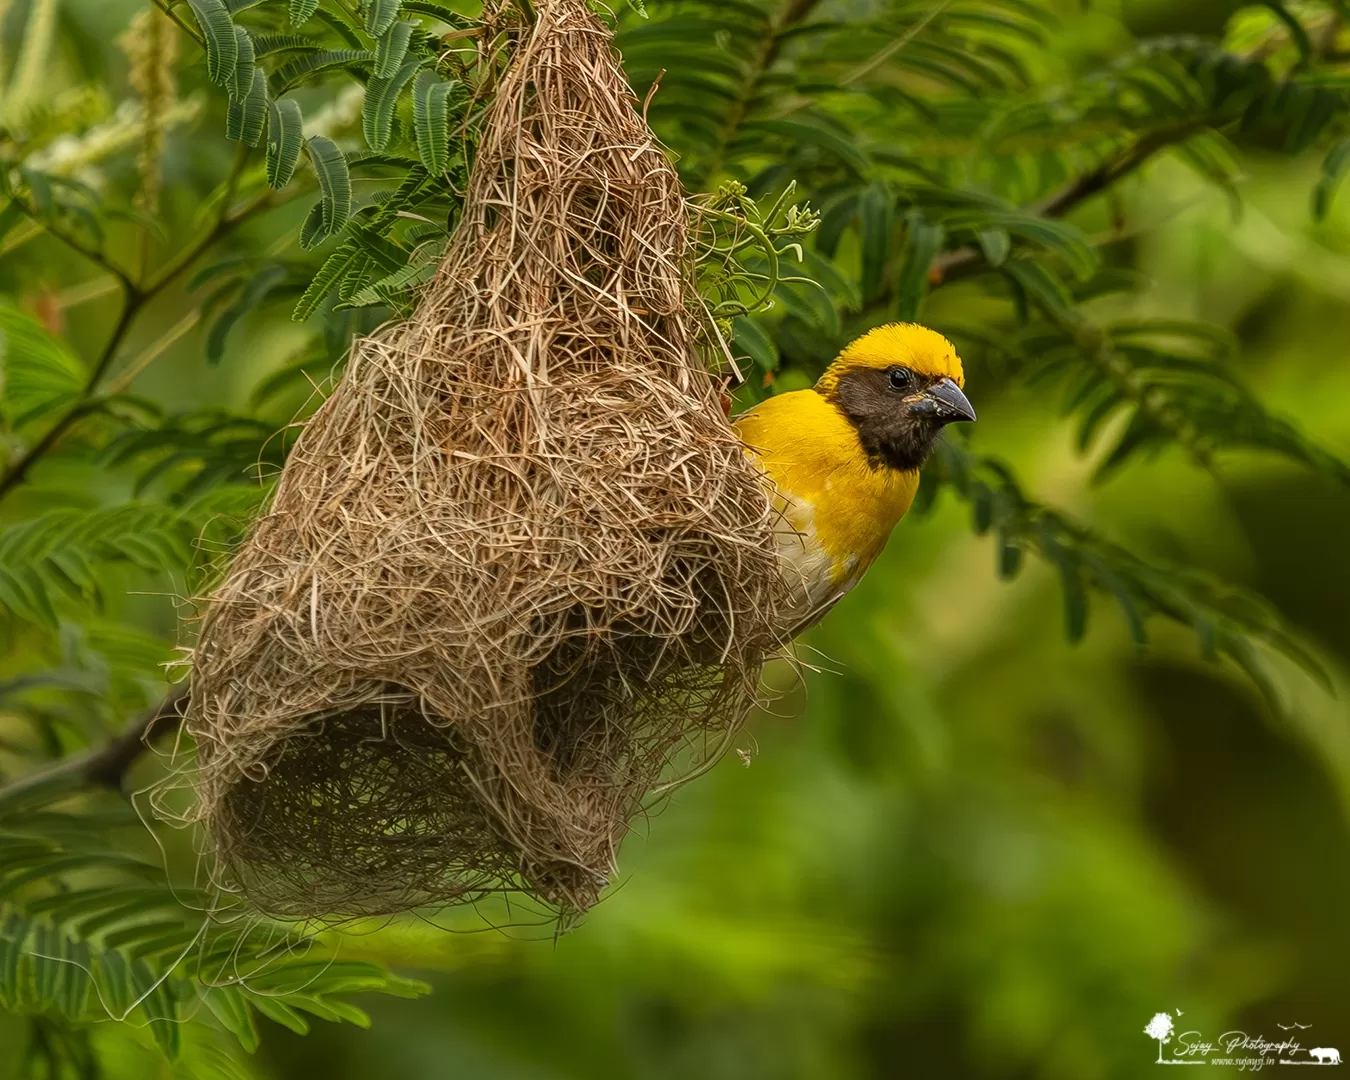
x: 895, y: 46
x: 78, y: 246
x: 93, y: 289
x: 128, y: 374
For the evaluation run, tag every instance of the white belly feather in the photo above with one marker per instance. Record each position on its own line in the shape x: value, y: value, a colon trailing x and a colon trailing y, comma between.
x: 817, y: 581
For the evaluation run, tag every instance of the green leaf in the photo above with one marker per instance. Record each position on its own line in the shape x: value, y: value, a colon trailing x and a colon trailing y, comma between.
x: 232, y: 1009
x: 46, y: 961
x: 1334, y: 167
x: 301, y: 68
x: 78, y: 981
x: 159, y: 1006
x: 392, y: 48
x: 1042, y: 286
x: 39, y: 374
x: 332, y: 1010
x: 1212, y: 156
x: 443, y: 12
x: 875, y: 220
x: 10, y: 216
x: 1071, y: 582
x: 390, y: 290
x: 334, y: 182
x: 816, y: 133
x: 278, y: 1010
x: 222, y: 46
x: 1109, y: 580
x: 47, y: 558
x: 1056, y: 236
x: 760, y: 347
x: 925, y: 241
x: 244, y: 118
x: 271, y: 44
x: 354, y: 278
x: 285, y: 136
x: 380, y: 15
x: 46, y: 965
x: 386, y: 254
x: 313, y: 231
x: 381, y: 96
x: 431, y: 120
x: 301, y: 10
x: 1009, y: 557
x: 341, y: 22
x: 14, y: 933
x: 1296, y: 31
x: 995, y: 243
x: 242, y: 82
x: 253, y: 293
x: 334, y: 268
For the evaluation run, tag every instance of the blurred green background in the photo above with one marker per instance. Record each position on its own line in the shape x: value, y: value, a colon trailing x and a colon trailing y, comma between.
x: 960, y: 846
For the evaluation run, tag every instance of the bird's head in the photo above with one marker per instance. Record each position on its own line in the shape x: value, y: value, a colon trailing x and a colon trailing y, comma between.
x: 898, y: 385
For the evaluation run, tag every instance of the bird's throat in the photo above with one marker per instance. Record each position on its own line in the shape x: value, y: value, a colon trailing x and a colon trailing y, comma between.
x: 889, y: 435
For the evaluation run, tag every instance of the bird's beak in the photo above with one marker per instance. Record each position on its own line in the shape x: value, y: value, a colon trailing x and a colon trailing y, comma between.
x: 948, y: 403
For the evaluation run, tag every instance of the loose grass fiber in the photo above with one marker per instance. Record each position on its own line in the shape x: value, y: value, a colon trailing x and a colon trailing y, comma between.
x: 517, y: 563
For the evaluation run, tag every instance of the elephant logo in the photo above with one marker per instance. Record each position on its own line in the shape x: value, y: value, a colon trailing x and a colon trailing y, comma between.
x: 1325, y: 1055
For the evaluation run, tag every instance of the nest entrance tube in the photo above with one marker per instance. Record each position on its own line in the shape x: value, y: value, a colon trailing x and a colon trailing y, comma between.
x: 517, y: 563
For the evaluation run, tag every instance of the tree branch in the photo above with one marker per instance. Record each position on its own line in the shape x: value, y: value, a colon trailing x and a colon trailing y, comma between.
x: 963, y: 262
x: 18, y: 470
x: 108, y: 765
x: 92, y: 254
x: 137, y: 296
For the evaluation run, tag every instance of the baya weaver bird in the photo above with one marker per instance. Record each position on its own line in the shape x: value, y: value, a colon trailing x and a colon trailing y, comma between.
x: 844, y: 456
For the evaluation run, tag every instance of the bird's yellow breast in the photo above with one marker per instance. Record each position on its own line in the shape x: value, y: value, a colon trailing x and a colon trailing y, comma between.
x: 827, y: 489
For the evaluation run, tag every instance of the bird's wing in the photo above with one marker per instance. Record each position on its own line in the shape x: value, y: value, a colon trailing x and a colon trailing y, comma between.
x: 817, y: 612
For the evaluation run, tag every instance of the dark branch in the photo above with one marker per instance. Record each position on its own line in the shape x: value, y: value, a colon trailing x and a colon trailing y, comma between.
x: 18, y: 470
x: 963, y: 262
x: 1107, y: 173
x: 108, y: 765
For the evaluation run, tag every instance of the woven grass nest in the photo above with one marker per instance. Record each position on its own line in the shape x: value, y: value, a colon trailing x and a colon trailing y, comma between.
x: 517, y: 563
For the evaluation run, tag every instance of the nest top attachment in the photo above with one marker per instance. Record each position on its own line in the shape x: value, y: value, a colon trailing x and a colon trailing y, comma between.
x: 517, y: 565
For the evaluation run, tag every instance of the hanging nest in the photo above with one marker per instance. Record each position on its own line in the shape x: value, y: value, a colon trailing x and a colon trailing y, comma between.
x: 517, y: 563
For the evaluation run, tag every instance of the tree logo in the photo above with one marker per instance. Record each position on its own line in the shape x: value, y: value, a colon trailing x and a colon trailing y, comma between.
x: 1161, y: 1028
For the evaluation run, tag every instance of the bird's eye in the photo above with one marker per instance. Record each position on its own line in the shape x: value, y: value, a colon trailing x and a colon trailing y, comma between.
x: 901, y: 378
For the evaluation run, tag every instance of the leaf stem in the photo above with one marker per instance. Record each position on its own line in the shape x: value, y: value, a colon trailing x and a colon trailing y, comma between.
x: 771, y: 45
x: 167, y: 7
